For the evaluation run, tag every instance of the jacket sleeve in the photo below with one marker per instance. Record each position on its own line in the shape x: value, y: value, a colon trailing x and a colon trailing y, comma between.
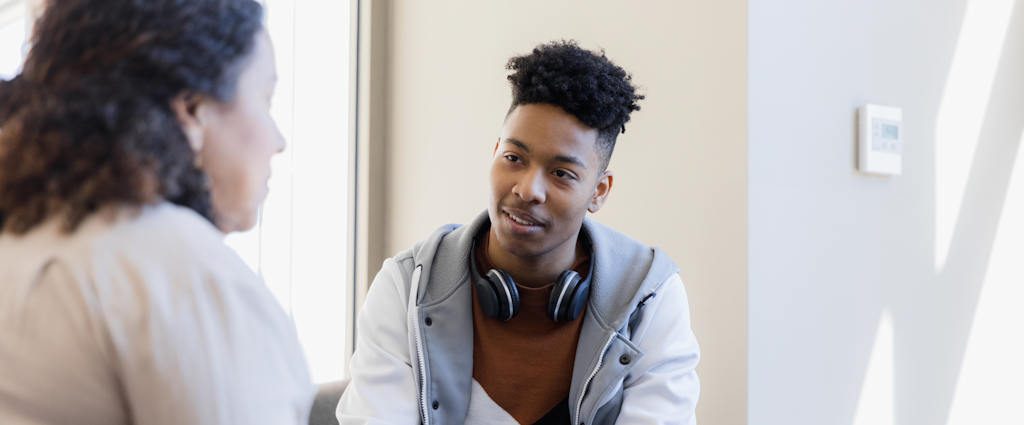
x: 382, y: 389
x: 663, y: 387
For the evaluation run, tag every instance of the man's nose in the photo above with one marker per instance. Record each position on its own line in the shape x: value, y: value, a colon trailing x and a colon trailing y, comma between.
x: 531, y: 187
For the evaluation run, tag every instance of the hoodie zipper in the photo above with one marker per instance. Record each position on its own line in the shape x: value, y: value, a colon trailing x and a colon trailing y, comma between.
x: 593, y: 373
x: 414, y: 319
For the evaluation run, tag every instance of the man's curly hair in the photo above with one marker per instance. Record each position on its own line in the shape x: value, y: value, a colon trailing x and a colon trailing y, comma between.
x: 584, y: 84
x: 89, y: 123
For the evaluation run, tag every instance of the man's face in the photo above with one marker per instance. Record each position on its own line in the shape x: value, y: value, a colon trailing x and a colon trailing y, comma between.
x: 545, y: 176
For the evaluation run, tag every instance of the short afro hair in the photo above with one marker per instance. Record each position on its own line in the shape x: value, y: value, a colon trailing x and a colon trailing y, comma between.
x: 584, y: 84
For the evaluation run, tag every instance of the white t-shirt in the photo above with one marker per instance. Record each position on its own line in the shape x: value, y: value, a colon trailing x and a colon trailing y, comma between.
x: 483, y: 409
x: 142, y: 317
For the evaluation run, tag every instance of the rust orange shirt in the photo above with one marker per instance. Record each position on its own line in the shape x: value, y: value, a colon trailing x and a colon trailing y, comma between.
x: 525, y: 364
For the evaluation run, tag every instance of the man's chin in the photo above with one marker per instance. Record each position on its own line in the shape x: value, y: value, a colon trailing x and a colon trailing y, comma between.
x: 518, y: 247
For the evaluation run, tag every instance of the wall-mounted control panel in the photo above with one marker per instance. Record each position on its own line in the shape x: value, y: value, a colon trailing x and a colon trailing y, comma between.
x: 881, y: 140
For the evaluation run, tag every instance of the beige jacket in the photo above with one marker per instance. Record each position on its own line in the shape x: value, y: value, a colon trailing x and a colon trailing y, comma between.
x: 142, y: 317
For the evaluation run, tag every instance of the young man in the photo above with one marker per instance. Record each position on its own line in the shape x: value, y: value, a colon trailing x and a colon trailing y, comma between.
x: 533, y: 313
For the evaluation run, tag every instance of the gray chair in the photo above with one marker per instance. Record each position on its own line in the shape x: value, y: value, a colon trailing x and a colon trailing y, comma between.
x: 326, y: 403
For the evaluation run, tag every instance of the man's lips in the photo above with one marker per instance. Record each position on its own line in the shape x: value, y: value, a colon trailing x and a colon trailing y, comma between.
x: 522, y: 217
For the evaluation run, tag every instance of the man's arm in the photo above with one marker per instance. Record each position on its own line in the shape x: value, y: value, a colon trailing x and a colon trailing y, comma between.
x: 383, y: 388
x: 663, y: 387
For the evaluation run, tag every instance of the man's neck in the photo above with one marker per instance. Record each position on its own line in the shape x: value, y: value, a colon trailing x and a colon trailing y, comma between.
x: 533, y: 272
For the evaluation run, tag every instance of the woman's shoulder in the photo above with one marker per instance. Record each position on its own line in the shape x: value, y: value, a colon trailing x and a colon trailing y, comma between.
x: 161, y: 238
x: 161, y: 230
x: 161, y: 246
x: 161, y: 222
x: 134, y: 265
x: 149, y: 236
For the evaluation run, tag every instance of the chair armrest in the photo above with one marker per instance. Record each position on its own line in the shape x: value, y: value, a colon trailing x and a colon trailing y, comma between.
x: 325, y: 404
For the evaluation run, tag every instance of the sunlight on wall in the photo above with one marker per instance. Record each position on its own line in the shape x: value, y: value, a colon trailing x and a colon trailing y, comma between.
x: 989, y: 387
x: 962, y: 111
x: 875, y: 405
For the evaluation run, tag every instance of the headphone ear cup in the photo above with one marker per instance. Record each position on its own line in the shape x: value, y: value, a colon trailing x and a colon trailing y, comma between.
x: 568, y: 297
x: 487, y: 296
x: 502, y: 295
x: 580, y: 295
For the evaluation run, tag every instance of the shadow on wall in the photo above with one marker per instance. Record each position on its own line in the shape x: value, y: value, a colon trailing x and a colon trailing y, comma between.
x: 948, y: 350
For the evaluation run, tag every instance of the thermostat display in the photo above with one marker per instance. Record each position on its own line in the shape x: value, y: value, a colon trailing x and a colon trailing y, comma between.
x: 881, y: 140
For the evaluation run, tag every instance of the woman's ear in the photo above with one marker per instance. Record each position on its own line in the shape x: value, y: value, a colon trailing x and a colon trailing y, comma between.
x: 186, y: 109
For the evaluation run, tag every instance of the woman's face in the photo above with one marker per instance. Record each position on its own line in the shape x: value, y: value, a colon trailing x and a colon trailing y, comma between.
x: 238, y: 139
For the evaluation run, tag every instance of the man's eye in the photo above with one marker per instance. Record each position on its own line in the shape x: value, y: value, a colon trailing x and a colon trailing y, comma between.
x: 511, y: 158
x: 562, y: 174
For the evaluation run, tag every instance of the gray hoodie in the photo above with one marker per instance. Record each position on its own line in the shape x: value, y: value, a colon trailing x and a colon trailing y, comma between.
x: 635, y: 360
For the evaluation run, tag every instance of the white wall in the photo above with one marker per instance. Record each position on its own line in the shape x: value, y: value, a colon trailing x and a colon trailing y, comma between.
x: 859, y: 314
x: 680, y: 166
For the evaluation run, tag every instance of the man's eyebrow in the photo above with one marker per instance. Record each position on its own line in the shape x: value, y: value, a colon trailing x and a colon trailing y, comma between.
x: 519, y: 144
x: 570, y: 159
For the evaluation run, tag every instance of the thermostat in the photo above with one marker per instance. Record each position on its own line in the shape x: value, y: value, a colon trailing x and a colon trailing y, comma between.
x: 881, y: 140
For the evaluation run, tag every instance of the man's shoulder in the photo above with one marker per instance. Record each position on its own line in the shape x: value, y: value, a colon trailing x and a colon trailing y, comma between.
x: 452, y: 236
x: 600, y: 233
x: 419, y: 249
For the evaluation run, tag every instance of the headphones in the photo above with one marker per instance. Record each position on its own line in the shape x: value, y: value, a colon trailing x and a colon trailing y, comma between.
x: 499, y: 297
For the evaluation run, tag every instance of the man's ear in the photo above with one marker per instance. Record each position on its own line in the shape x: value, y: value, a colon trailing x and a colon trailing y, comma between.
x: 186, y: 107
x: 496, y: 144
x: 604, y: 187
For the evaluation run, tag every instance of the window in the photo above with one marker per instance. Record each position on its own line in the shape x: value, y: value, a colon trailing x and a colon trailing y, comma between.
x: 14, y: 27
x: 300, y: 245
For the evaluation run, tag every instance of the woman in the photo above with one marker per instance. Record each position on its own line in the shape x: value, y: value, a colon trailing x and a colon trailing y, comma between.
x: 137, y: 134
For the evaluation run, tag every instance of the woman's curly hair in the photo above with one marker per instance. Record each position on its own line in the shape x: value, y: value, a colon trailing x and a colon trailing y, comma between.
x: 89, y: 123
x: 584, y: 84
